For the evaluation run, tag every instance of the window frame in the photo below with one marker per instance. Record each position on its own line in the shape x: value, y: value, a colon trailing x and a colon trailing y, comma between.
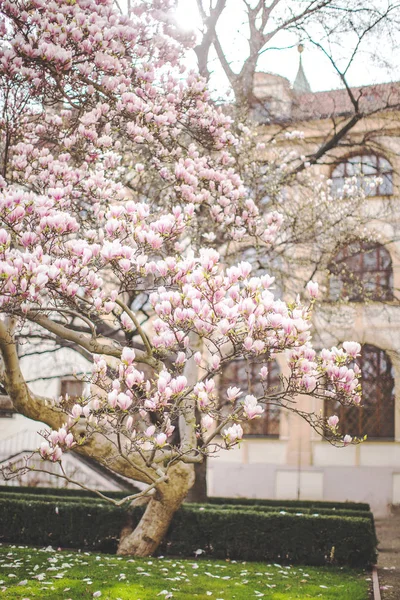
x: 383, y: 385
x: 65, y: 381
x: 237, y: 379
x: 361, y: 281
x: 384, y: 170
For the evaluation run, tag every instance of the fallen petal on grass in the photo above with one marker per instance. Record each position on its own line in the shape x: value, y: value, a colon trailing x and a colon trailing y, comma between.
x: 117, y: 578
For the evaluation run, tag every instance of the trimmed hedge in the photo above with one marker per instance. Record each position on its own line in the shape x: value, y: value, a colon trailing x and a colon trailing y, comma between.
x: 299, y: 511
x: 258, y: 508
x: 242, y: 534
x: 65, y: 492
x: 302, y: 510
x: 211, y: 500
x: 57, y: 501
x: 293, y: 503
x: 250, y: 535
x: 54, y: 499
x: 70, y: 525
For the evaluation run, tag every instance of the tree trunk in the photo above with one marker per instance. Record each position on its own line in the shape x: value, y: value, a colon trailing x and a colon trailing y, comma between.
x: 152, y: 527
x: 198, y: 493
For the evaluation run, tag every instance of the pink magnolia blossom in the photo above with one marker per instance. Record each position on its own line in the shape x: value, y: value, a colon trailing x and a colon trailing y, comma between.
x: 54, y: 438
x: 56, y: 454
x: 128, y: 355
x: 124, y: 401
x: 86, y: 410
x: 69, y: 440
x: 161, y: 439
x: 180, y: 359
x: 352, y: 348
x: 76, y: 411
x: 45, y: 450
x: 4, y: 237
x: 113, y: 398
x: 233, y: 393
x: 251, y: 409
x: 312, y: 289
x: 333, y: 421
x: 233, y: 434
x: 62, y: 434
x: 309, y: 382
x: 169, y: 429
x: 178, y: 384
x: 215, y: 362
x: 197, y: 358
x: 207, y: 421
x: 150, y: 431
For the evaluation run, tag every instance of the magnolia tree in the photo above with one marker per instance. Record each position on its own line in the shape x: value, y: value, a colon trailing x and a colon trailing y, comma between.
x: 87, y: 97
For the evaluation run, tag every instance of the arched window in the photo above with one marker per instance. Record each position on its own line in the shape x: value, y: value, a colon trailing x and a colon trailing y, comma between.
x: 375, y: 417
x: 246, y: 375
x: 366, y: 168
x: 361, y: 271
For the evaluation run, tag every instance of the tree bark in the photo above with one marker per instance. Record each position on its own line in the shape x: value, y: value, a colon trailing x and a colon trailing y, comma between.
x: 152, y: 527
x: 198, y: 493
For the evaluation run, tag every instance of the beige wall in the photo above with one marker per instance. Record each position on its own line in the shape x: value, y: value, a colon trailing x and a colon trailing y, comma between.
x: 259, y: 469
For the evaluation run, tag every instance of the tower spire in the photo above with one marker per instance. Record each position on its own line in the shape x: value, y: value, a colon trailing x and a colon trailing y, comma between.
x: 301, y: 85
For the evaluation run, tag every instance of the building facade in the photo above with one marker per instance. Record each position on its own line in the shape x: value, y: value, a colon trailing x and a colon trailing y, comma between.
x: 282, y: 457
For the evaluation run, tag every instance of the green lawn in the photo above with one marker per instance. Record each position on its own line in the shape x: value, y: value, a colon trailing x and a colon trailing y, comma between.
x: 27, y: 573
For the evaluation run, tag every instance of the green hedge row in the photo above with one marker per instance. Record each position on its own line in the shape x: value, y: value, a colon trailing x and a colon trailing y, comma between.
x: 56, y: 499
x: 211, y: 500
x: 39, y: 491
x: 258, y: 508
x: 251, y: 535
x: 293, y: 503
x: 87, y: 525
x: 222, y: 533
x: 362, y: 514
x: 305, y: 510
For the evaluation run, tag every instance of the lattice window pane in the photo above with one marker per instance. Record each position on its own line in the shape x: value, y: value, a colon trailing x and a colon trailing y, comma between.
x: 384, y: 165
x: 369, y: 165
x: 365, y: 272
x: 386, y: 187
x: 366, y: 168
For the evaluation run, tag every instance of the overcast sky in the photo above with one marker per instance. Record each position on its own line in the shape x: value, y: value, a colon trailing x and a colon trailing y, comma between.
x: 377, y: 63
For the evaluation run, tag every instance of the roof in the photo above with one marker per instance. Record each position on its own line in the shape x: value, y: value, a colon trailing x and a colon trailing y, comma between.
x: 301, y: 84
x: 320, y: 105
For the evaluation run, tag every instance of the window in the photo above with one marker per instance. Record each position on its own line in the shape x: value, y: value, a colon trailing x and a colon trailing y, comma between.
x: 365, y: 168
x: 375, y: 417
x: 7, y: 409
x: 245, y: 375
x: 72, y: 387
x: 361, y: 271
